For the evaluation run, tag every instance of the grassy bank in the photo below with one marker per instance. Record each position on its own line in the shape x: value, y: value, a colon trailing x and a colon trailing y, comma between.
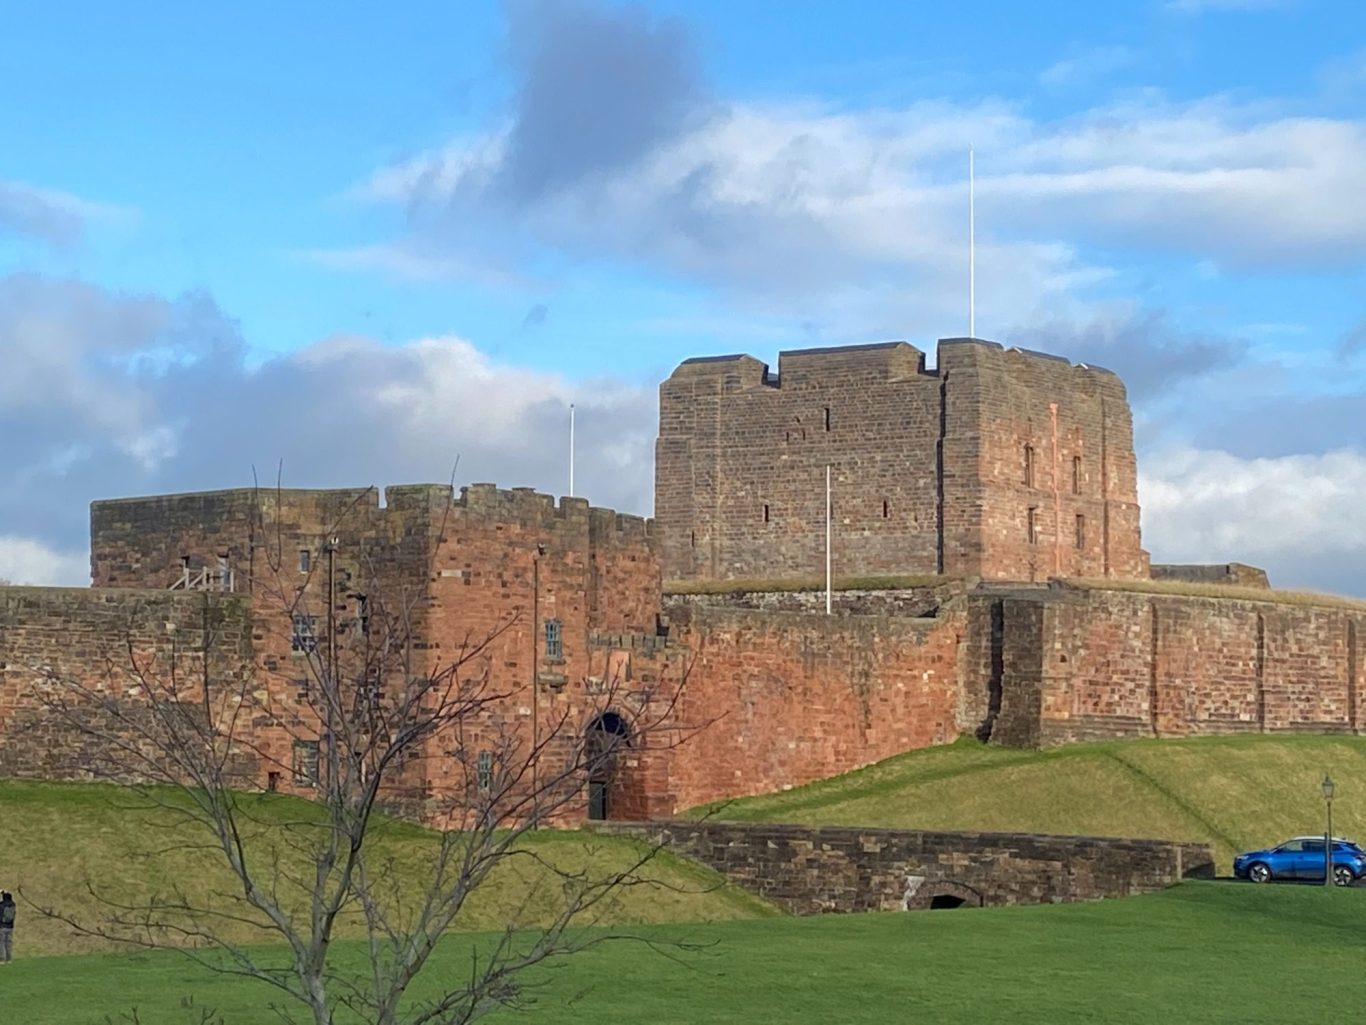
x: 60, y: 839
x: 1234, y: 792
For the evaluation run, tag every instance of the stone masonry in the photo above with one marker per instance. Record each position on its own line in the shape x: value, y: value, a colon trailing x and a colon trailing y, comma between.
x: 998, y: 488
x: 834, y: 869
x: 1000, y: 464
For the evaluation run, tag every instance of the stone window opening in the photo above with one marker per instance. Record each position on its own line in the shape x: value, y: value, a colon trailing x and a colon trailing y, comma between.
x: 369, y: 690
x: 827, y: 418
x: 554, y: 644
x: 483, y: 771
x: 1081, y: 531
x: 1076, y: 475
x: 272, y: 782
x: 1029, y: 466
x: 766, y: 517
x: 1032, y: 525
x: 305, y: 560
x: 886, y: 509
x: 692, y: 537
x: 303, y: 639
x: 306, y: 763
x: 363, y: 613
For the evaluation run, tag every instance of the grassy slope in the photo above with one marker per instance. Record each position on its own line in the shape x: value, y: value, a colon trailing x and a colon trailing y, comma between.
x: 57, y: 837
x: 1235, y: 792
x: 1200, y: 953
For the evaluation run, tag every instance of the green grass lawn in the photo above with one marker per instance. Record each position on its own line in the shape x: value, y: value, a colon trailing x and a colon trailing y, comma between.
x: 61, y: 838
x: 1234, y: 792
x: 1201, y: 952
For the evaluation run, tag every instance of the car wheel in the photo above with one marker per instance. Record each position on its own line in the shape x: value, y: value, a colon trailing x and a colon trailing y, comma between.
x: 1342, y: 875
x: 1259, y: 873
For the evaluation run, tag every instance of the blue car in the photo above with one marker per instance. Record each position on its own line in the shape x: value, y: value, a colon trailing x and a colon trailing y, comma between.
x: 1302, y: 858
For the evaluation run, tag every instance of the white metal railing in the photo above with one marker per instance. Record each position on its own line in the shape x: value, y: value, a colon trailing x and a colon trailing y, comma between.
x: 205, y: 579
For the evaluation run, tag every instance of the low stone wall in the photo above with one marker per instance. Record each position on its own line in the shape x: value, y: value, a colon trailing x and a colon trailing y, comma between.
x: 1234, y: 574
x: 835, y: 869
x: 920, y: 601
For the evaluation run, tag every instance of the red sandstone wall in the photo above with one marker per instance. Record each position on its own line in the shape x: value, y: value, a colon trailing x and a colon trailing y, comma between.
x: 94, y: 638
x: 734, y: 439
x: 1116, y: 664
x: 795, y: 697
x: 461, y: 574
x: 599, y: 578
x: 928, y: 468
x: 1002, y: 401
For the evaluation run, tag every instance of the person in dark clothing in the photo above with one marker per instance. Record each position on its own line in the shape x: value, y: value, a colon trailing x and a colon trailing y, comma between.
x: 6, y: 927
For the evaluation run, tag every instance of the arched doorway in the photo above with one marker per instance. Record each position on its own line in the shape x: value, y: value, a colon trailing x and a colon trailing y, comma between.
x: 941, y: 894
x: 607, y: 735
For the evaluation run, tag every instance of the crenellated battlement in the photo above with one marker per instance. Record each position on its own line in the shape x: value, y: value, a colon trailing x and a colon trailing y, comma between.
x: 876, y: 361
x: 149, y: 541
x: 532, y: 509
x: 964, y: 353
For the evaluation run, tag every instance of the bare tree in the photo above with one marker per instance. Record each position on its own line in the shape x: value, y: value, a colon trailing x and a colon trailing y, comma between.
x: 358, y: 711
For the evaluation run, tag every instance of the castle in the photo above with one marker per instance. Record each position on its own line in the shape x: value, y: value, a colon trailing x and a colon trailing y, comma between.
x: 983, y: 536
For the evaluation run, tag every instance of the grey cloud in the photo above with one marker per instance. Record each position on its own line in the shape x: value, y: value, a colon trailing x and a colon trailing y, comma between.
x: 192, y: 414
x: 1147, y: 351
x: 27, y: 211
x: 599, y: 89
x: 1354, y: 341
x: 536, y: 316
x: 1287, y: 423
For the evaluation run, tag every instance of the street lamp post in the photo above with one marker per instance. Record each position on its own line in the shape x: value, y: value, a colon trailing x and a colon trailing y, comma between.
x: 1328, y: 786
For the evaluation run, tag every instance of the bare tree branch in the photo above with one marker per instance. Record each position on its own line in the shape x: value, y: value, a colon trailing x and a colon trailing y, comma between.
x: 359, y: 712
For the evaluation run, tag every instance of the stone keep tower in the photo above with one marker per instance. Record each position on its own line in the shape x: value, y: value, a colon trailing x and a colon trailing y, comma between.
x: 1000, y: 463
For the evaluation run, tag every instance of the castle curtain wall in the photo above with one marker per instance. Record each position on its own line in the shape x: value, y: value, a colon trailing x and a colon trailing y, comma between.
x: 1097, y: 664
x: 791, y: 697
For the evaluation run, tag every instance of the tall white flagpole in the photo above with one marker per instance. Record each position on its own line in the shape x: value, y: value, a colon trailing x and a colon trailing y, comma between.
x: 972, y: 246
x: 827, y: 539
x: 571, y: 450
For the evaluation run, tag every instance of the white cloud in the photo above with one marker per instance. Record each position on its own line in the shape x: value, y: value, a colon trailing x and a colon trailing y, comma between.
x: 407, y: 260
x: 835, y: 212
x: 1086, y: 66
x: 1300, y: 515
x: 1200, y: 6
x: 87, y: 413
x: 55, y: 217
x: 28, y: 561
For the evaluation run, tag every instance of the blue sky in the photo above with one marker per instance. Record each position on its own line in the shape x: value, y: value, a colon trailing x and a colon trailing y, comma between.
x: 366, y: 241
